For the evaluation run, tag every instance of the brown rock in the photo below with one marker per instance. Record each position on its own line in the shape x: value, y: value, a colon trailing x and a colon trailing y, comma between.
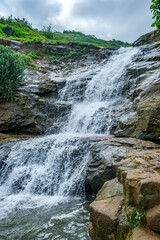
x: 109, y: 189
x: 104, y: 217
x: 140, y: 233
x: 142, y: 189
x: 148, y: 118
x: 153, y: 218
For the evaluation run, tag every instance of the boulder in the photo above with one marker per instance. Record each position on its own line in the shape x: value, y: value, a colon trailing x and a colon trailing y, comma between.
x: 109, y: 189
x: 147, y: 122
x: 142, y: 189
x: 139, y: 172
x: 153, y: 218
x: 104, y: 217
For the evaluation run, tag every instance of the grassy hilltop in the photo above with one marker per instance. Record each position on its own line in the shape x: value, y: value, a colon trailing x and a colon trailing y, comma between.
x: 23, y: 31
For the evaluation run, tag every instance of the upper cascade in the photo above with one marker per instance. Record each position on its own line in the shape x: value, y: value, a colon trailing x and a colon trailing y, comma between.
x: 97, y: 94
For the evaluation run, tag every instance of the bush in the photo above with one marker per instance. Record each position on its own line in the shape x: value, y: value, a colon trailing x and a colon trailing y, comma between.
x: 12, y: 68
x: 155, y: 9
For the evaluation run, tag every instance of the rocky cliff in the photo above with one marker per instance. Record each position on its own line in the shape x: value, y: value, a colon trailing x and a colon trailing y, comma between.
x: 37, y: 105
x: 127, y: 207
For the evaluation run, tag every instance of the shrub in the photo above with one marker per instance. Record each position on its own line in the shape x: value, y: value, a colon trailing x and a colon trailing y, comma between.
x: 155, y: 9
x: 12, y: 68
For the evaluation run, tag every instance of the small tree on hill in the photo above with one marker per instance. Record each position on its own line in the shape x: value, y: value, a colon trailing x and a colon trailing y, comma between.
x: 11, y: 72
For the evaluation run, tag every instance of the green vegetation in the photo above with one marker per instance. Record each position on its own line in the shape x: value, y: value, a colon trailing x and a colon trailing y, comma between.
x: 12, y: 66
x: 136, y: 219
x: 155, y: 9
x: 23, y: 31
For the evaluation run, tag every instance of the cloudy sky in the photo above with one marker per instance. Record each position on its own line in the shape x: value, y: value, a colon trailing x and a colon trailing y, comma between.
x: 120, y: 19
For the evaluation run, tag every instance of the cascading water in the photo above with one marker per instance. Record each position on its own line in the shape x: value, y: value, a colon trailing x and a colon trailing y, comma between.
x: 42, y: 179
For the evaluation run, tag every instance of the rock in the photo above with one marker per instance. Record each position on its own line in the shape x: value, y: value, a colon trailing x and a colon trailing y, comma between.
x: 109, y: 189
x: 142, y: 118
x: 106, y: 154
x: 142, y: 234
x: 15, y: 45
x: 153, y: 218
x: 142, y: 189
x: 140, y: 178
x: 104, y: 217
x: 91, y: 231
x: 140, y: 174
x: 148, y: 38
x: 123, y: 227
x: 148, y: 119
x: 8, y: 30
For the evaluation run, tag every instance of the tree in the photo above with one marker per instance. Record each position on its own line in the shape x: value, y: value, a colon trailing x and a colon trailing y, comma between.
x: 11, y: 72
x: 48, y: 31
x: 155, y: 9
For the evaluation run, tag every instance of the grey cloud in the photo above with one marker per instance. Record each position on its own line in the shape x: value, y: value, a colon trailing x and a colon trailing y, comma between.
x: 36, y: 11
x: 128, y: 18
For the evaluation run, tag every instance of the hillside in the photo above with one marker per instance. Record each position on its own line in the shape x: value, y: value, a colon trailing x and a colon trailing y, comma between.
x: 22, y: 30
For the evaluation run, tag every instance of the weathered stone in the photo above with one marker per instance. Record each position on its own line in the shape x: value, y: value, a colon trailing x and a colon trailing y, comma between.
x: 104, y: 217
x: 147, y: 38
x: 147, y: 121
x: 142, y: 189
x: 142, y: 119
x: 142, y: 234
x: 153, y: 218
x: 109, y: 189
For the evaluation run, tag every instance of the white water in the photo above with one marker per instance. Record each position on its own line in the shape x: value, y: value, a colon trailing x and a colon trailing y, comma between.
x: 102, y: 95
x: 51, y: 170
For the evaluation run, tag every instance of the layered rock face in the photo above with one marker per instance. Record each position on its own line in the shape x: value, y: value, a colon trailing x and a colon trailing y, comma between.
x: 142, y: 120
x: 37, y: 107
x: 128, y: 206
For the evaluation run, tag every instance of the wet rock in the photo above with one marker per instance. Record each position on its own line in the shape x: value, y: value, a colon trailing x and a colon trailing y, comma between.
x: 36, y: 108
x: 104, y: 216
x: 153, y: 218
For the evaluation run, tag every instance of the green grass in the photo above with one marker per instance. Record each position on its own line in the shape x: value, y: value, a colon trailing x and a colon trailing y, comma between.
x: 23, y: 31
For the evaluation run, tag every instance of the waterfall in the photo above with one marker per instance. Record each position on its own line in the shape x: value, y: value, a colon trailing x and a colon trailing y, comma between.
x: 96, y: 97
x: 50, y: 169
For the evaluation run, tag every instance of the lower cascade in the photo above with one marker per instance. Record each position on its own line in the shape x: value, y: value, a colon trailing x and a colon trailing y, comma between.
x: 42, y: 180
